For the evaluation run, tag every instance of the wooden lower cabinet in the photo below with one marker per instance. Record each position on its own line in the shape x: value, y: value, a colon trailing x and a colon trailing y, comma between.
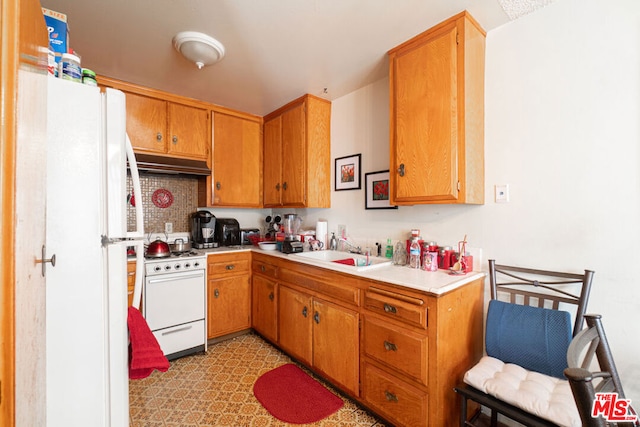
x: 228, y: 293
x: 320, y: 334
x: 396, y: 350
x: 131, y: 281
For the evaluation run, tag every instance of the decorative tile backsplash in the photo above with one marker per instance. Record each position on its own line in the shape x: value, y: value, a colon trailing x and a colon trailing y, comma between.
x: 185, y: 201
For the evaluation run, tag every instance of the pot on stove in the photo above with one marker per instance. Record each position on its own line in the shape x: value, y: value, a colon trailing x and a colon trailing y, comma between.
x: 158, y: 249
x: 179, y: 246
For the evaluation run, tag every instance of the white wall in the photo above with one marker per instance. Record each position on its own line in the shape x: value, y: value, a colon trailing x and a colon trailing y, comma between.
x: 563, y: 130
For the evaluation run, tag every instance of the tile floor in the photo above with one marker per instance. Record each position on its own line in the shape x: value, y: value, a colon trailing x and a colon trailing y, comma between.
x: 216, y: 390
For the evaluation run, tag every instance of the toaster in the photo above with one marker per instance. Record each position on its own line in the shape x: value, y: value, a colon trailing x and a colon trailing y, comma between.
x: 227, y: 232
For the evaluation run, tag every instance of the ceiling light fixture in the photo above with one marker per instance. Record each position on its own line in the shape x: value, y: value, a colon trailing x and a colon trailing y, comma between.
x: 199, y: 48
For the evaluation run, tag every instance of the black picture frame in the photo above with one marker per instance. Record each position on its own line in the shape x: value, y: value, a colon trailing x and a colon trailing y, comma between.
x: 376, y: 190
x: 347, y: 172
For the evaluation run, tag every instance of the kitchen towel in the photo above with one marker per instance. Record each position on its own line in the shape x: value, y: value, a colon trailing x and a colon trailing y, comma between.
x: 145, y: 354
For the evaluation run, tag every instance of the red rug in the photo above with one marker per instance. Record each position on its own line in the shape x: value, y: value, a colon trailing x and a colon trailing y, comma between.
x: 292, y: 396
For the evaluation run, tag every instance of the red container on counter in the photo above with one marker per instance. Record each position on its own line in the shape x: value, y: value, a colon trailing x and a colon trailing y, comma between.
x: 446, y: 257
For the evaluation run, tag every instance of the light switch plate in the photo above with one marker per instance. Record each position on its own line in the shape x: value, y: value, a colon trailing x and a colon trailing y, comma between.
x: 502, y: 193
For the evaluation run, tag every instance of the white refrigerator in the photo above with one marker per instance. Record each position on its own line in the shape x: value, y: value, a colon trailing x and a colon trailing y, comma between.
x: 86, y: 291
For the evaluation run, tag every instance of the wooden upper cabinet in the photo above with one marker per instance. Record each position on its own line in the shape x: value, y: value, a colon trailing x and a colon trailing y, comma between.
x: 165, y: 124
x: 237, y: 161
x: 188, y: 130
x: 297, y: 151
x: 437, y: 115
x: 146, y: 123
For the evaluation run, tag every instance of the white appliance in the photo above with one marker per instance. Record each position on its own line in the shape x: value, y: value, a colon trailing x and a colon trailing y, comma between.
x: 175, y: 304
x: 86, y: 290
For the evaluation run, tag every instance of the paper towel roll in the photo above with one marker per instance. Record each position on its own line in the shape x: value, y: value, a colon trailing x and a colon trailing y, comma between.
x: 321, y: 233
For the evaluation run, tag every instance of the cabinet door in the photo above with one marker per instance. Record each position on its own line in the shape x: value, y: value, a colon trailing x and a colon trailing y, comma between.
x: 229, y: 305
x: 265, y: 300
x: 146, y: 123
x: 237, y: 160
x: 188, y: 131
x: 294, y: 158
x: 335, y: 343
x: 131, y: 281
x: 295, y: 311
x: 425, y: 114
x: 272, y: 165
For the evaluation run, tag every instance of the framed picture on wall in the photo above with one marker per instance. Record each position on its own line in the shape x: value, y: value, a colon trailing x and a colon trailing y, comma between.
x: 376, y: 190
x: 348, y: 172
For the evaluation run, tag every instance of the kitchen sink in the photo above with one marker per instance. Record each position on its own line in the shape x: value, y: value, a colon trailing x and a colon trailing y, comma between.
x: 355, y: 262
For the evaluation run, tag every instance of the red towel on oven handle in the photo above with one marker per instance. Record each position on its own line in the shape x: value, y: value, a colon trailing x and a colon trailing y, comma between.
x: 145, y: 354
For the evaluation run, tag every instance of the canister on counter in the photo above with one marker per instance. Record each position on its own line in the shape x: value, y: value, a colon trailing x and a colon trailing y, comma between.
x: 445, y: 256
x: 70, y: 68
x: 89, y: 77
x: 430, y: 261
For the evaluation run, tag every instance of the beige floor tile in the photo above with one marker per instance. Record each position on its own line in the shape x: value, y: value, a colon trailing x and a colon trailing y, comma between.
x: 216, y: 389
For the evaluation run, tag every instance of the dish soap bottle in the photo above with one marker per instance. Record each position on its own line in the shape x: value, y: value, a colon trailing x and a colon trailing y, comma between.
x: 389, y: 249
x: 333, y: 243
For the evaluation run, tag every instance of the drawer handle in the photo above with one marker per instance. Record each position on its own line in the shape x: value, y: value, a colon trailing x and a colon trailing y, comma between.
x: 390, y: 396
x: 184, y: 328
x: 389, y: 346
x: 216, y: 293
x: 305, y: 311
x: 230, y: 267
x: 263, y: 268
x: 271, y: 296
x: 390, y: 309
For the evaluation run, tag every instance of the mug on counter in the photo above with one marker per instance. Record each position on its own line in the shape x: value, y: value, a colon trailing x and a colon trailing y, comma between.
x: 315, y: 245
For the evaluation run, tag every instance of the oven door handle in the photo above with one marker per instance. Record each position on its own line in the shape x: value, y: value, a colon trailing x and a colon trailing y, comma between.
x: 173, y: 278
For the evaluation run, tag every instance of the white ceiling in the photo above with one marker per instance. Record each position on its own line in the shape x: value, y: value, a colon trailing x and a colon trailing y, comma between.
x: 276, y: 50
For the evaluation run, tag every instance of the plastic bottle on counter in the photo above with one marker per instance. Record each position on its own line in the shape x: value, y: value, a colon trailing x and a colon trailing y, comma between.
x: 389, y: 249
x: 414, y: 252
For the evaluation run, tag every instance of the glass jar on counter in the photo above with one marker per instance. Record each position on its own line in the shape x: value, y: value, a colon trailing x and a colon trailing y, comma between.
x: 399, y: 255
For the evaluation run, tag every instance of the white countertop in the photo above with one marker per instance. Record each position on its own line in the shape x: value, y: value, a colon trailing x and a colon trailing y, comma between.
x: 434, y: 282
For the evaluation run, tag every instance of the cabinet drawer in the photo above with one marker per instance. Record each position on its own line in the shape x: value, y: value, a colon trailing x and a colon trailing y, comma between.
x: 265, y: 269
x: 399, y: 349
x: 397, y: 306
x: 329, y: 287
x: 396, y: 400
x: 181, y: 337
x: 228, y: 265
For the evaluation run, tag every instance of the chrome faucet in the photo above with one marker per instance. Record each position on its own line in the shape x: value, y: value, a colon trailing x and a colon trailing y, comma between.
x: 352, y: 248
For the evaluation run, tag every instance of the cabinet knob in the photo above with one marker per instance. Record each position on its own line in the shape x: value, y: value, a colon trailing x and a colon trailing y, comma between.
x: 390, y: 397
x: 284, y: 186
x: 401, y: 169
x: 389, y: 346
x: 159, y: 137
x: 263, y: 268
x: 316, y: 317
x: 218, y: 185
x: 174, y: 140
x: 305, y: 311
x: 278, y: 187
x: 44, y: 260
x: 390, y: 309
x: 230, y: 267
x: 216, y: 293
x: 271, y: 296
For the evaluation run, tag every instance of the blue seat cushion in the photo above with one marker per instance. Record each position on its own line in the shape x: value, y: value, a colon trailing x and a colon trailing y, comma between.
x: 534, y: 338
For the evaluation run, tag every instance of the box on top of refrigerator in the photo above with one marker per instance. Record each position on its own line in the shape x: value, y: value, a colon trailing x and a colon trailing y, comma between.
x: 58, y: 32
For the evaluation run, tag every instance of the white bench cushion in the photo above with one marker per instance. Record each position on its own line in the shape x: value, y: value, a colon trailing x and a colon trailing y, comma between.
x: 547, y: 397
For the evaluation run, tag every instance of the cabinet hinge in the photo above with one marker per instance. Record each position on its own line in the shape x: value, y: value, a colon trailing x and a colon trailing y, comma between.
x: 457, y: 38
x: 459, y: 186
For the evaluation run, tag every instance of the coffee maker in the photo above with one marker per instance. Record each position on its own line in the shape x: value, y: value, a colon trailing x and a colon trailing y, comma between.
x: 203, y: 227
x: 291, y: 226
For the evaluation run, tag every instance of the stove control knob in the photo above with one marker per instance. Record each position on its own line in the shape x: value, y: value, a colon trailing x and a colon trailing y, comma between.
x: 176, y: 267
x: 167, y: 267
x: 196, y: 264
x: 157, y: 268
x: 187, y: 265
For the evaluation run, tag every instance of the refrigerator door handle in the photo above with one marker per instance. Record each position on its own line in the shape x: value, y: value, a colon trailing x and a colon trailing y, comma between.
x: 135, y: 177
